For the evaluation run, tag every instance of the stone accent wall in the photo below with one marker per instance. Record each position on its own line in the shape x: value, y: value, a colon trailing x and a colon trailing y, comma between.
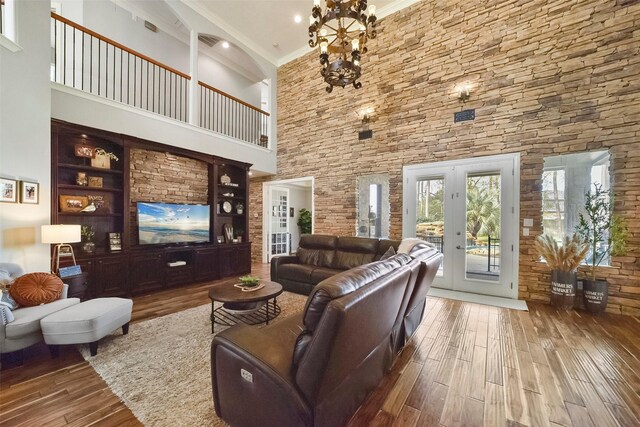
x: 159, y: 177
x: 548, y: 77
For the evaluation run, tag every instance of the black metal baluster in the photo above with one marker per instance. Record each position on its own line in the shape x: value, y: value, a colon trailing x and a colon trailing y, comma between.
x: 82, y: 67
x: 121, y: 67
x: 55, y: 51
x: 106, y: 70
x: 99, y: 69
x: 114, y: 73
x: 64, y: 52
x: 91, y: 64
x: 73, y: 58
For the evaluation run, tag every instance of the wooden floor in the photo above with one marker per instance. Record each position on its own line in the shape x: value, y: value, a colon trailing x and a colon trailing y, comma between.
x: 466, y: 365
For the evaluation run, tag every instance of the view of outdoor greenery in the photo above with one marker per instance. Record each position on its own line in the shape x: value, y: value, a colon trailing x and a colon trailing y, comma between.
x: 553, y: 203
x: 483, y: 220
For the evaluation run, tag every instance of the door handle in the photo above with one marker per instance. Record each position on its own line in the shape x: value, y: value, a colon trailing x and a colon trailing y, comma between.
x: 458, y: 247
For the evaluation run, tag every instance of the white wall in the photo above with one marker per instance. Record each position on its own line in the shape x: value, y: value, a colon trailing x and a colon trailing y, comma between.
x: 25, y: 141
x: 298, y: 198
x: 114, y: 22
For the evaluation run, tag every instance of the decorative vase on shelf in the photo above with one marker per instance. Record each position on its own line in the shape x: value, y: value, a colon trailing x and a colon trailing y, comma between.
x: 89, y: 247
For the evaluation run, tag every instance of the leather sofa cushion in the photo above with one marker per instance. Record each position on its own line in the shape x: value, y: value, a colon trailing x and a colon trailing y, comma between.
x: 321, y: 273
x: 295, y: 272
x: 354, y: 251
x: 346, y: 260
x: 316, y: 257
x: 344, y: 283
x: 338, y: 286
x: 384, y: 245
x: 36, y: 288
x: 318, y: 241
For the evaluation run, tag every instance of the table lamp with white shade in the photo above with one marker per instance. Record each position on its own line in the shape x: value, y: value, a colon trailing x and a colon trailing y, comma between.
x: 60, y: 235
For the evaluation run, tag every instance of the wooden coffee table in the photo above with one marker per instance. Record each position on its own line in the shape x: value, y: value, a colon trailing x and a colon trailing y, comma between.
x: 251, y: 308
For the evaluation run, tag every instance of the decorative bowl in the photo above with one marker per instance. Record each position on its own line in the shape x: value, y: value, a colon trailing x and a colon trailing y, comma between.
x: 249, y: 281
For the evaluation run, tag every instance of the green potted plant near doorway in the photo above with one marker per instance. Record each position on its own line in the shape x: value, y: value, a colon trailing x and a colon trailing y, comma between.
x: 606, y: 234
x: 564, y: 261
x: 304, y: 221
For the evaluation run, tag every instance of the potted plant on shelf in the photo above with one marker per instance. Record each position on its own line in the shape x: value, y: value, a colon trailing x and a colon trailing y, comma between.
x: 606, y: 234
x: 103, y: 159
x: 564, y: 261
x: 87, y: 233
x: 304, y: 221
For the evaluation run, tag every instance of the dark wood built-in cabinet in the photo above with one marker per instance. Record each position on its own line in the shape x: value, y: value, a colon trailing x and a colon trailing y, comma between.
x: 135, y: 268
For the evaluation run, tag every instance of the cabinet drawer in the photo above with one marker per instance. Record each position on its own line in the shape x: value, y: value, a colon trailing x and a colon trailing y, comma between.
x: 177, y: 275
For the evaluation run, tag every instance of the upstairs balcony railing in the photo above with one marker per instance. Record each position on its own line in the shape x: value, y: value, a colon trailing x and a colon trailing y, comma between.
x: 2, y: 16
x: 88, y: 61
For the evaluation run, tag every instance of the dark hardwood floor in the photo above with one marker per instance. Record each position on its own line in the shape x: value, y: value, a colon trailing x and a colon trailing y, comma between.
x: 466, y: 365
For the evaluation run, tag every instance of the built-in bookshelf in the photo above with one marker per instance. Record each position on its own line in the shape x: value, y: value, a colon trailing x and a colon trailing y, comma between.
x: 79, y: 181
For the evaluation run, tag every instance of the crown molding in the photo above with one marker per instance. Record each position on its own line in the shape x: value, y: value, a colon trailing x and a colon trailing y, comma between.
x: 233, y: 32
x: 383, y: 12
x: 295, y: 55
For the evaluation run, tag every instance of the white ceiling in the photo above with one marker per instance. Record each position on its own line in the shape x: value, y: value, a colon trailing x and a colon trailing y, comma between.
x: 258, y: 24
x: 262, y: 23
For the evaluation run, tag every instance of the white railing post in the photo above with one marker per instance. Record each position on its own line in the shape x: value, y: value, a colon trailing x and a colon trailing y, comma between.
x: 194, y: 92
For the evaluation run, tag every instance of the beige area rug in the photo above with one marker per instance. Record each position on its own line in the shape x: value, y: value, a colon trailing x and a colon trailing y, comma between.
x: 162, y: 369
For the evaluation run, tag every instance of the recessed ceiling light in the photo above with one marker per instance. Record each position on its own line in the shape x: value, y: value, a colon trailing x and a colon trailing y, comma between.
x: 225, y: 45
x: 298, y: 19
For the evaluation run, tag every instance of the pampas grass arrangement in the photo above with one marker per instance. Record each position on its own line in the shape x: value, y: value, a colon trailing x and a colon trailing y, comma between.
x: 566, y: 257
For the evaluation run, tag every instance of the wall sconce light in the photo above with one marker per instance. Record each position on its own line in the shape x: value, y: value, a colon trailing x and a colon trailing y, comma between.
x: 464, y: 92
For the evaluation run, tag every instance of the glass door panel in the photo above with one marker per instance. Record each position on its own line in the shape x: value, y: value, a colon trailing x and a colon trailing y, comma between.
x: 279, y: 223
x: 468, y: 210
x: 430, y: 218
x: 483, y: 211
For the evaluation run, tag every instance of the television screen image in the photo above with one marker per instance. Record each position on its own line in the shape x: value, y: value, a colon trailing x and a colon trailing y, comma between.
x: 160, y: 223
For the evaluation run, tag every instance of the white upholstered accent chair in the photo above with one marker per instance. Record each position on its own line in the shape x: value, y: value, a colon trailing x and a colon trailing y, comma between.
x: 20, y: 328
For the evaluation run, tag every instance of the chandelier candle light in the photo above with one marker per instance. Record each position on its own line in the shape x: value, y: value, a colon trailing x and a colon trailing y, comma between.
x: 342, y: 30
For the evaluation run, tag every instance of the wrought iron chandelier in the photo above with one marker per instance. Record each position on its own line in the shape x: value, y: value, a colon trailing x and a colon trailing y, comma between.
x: 343, y: 30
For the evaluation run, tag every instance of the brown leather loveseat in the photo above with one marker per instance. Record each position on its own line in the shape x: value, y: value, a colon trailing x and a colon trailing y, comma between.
x: 316, y: 368
x: 321, y: 256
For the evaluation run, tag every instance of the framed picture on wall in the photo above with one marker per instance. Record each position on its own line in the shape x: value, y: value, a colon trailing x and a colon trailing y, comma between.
x: 29, y: 192
x: 8, y: 190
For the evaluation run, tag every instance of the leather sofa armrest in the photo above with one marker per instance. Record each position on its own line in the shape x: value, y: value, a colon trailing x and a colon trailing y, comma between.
x: 277, y: 261
x: 252, y: 369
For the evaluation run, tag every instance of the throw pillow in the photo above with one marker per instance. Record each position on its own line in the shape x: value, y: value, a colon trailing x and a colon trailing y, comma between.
x: 388, y: 254
x: 5, y: 279
x: 407, y: 244
x: 36, y: 288
x: 7, y: 301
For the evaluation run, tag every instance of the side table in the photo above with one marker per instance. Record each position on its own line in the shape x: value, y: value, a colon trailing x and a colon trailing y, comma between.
x: 78, y: 286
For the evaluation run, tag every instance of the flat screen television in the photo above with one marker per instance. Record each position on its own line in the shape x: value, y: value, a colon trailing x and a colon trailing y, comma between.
x: 166, y: 223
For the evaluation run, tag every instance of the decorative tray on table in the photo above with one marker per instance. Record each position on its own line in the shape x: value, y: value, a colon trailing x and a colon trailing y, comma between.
x: 246, y: 288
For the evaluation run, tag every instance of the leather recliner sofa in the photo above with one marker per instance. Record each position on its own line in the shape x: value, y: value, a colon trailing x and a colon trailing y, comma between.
x: 316, y: 368
x: 319, y: 257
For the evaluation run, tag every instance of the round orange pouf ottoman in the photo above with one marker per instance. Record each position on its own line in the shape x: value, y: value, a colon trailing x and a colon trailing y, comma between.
x: 36, y: 288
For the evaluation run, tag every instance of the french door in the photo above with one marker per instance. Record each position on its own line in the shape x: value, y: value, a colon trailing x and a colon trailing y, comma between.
x: 279, y: 224
x: 469, y: 210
